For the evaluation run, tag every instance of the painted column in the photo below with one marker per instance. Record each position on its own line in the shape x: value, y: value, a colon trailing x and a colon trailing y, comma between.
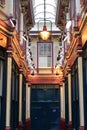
x: 27, y: 107
x: 8, y: 93
x: 81, y: 100
x: 62, y: 102
x: 20, y: 100
x: 69, y: 95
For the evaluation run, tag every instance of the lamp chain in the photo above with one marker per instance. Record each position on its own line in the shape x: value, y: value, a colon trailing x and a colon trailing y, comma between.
x: 44, y: 13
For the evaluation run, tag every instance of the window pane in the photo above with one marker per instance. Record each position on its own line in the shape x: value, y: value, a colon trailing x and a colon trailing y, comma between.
x: 45, y: 55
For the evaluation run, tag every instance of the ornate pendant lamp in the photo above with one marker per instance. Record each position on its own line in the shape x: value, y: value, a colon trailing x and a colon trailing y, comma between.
x: 44, y: 34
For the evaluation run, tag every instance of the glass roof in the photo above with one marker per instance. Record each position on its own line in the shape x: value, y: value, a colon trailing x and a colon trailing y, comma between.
x: 50, y: 10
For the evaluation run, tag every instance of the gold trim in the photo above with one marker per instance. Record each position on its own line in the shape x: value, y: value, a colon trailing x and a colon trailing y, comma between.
x: 4, y: 29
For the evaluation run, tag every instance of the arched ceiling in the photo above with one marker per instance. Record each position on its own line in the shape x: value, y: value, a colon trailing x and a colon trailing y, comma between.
x: 50, y: 10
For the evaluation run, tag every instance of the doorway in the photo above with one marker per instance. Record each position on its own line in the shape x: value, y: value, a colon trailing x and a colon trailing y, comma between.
x: 45, y: 107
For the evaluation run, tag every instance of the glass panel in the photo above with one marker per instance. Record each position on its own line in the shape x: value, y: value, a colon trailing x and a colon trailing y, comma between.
x: 39, y: 9
x: 45, y: 55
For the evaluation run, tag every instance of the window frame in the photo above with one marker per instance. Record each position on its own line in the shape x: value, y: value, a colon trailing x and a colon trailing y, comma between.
x: 45, y: 55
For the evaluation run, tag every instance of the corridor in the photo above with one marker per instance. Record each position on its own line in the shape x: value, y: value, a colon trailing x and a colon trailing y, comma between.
x: 45, y: 107
x: 43, y: 64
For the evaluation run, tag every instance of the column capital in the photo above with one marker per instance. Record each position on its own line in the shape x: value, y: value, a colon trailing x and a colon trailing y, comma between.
x: 9, y: 47
x: 79, y: 46
x: 63, y: 79
x: 68, y: 69
x: 21, y: 66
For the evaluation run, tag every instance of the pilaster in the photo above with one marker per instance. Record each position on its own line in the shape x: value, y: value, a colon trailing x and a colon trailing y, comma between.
x: 80, y: 80
x: 8, y: 94
x: 20, y: 99
x: 69, y: 95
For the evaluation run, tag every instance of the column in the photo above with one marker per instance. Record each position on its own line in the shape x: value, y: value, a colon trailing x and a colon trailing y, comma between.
x: 20, y: 100
x: 62, y: 102
x: 8, y: 93
x: 81, y: 100
x: 27, y: 107
x: 69, y: 95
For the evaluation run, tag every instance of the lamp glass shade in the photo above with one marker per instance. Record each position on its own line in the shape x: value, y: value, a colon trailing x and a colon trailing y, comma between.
x: 68, y: 25
x: 44, y: 34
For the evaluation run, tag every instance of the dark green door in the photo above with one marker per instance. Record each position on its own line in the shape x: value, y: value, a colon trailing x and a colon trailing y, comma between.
x: 45, y: 109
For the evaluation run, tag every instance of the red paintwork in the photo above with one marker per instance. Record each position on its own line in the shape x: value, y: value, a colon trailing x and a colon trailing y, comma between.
x: 28, y: 124
x: 20, y: 127
x: 7, y: 128
x: 70, y: 125
x: 62, y: 124
x: 81, y: 128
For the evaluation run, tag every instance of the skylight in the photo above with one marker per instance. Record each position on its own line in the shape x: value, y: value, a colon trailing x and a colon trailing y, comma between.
x: 38, y: 6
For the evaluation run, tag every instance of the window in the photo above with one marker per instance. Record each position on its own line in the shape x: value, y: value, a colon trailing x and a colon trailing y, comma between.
x: 44, y: 55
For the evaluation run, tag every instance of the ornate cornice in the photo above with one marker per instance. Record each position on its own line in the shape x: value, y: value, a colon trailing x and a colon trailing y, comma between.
x: 62, y: 8
x: 6, y: 29
x: 44, y: 79
x: 27, y: 9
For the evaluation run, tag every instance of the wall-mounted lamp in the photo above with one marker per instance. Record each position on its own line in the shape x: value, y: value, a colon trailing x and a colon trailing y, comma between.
x: 60, y: 57
x: 68, y: 24
x: 24, y: 36
x: 30, y: 60
x: 71, y: 21
x: 11, y: 20
x: 44, y: 34
x: 66, y: 36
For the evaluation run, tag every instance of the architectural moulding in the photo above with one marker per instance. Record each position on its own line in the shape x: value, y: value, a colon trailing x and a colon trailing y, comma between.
x: 51, y: 79
x: 6, y: 29
x: 27, y: 9
x: 62, y: 8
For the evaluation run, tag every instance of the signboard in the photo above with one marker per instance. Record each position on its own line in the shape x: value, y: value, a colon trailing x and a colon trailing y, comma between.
x: 3, y: 40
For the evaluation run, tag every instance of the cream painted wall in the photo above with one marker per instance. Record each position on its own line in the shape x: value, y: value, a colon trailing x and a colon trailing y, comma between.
x: 78, y: 7
x: 55, y: 50
x: 8, y: 8
x: 34, y: 50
